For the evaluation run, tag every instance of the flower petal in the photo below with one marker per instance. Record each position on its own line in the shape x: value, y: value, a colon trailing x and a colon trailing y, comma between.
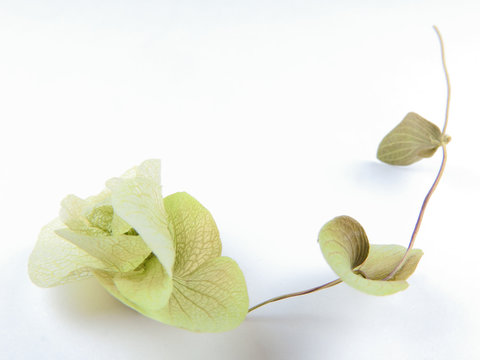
x: 147, y: 289
x: 196, y: 234
x: 139, y: 202
x: 121, y: 253
x: 213, y: 298
x: 55, y: 261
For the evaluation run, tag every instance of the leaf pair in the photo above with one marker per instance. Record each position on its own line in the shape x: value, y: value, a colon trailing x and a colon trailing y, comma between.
x: 161, y: 257
x: 344, y: 242
x: 346, y: 249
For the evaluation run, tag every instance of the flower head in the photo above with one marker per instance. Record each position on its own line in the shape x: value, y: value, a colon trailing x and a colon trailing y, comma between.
x: 161, y: 257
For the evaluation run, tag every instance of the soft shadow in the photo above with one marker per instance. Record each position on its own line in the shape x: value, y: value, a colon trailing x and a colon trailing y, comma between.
x: 381, y: 177
x: 85, y: 298
x: 433, y: 318
x: 306, y: 327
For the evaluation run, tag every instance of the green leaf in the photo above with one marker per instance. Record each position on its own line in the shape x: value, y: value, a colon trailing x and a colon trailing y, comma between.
x: 346, y: 249
x: 410, y: 141
x: 383, y: 259
x: 344, y: 244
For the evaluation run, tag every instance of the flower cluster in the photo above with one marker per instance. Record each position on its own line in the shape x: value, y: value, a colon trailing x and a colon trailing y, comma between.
x: 160, y: 256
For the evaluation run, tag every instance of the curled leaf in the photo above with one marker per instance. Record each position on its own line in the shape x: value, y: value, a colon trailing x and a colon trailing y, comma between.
x: 346, y: 249
x: 344, y: 244
x: 383, y: 259
x: 413, y: 139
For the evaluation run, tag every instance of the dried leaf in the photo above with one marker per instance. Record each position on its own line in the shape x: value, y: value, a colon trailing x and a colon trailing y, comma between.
x: 346, y: 249
x: 413, y: 139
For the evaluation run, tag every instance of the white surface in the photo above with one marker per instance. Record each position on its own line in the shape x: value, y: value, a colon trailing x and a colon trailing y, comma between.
x: 269, y: 113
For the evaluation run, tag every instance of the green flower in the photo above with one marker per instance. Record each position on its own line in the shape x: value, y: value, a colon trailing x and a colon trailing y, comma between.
x: 162, y: 257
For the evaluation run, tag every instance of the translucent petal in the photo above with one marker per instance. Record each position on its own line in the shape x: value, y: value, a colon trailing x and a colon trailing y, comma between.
x: 121, y: 253
x: 196, y: 235
x: 212, y: 298
x: 139, y: 202
x: 55, y: 261
x: 146, y: 289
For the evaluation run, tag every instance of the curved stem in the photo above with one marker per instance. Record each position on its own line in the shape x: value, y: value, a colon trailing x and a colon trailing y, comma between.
x: 420, y: 216
x: 299, y: 293
x: 445, y: 140
x: 447, y: 78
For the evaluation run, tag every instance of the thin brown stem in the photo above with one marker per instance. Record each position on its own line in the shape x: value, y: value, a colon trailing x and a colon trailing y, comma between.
x: 299, y: 293
x: 422, y: 212
x: 445, y: 140
x: 447, y: 78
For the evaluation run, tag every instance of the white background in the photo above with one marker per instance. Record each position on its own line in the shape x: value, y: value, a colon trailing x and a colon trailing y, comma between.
x: 269, y: 113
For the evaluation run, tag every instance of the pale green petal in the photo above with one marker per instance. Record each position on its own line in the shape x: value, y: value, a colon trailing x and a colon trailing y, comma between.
x: 103, y: 198
x: 213, y: 298
x: 72, y: 213
x: 118, y: 253
x: 196, y: 235
x: 119, y: 226
x: 139, y: 202
x: 92, y: 216
x: 105, y: 278
x: 383, y: 259
x: 210, y: 293
x: 147, y: 289
x: 101, y: 217
x: 345, y: 247
x: 149, y: 169
x: 410, y: 141
x: 55, y: 261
